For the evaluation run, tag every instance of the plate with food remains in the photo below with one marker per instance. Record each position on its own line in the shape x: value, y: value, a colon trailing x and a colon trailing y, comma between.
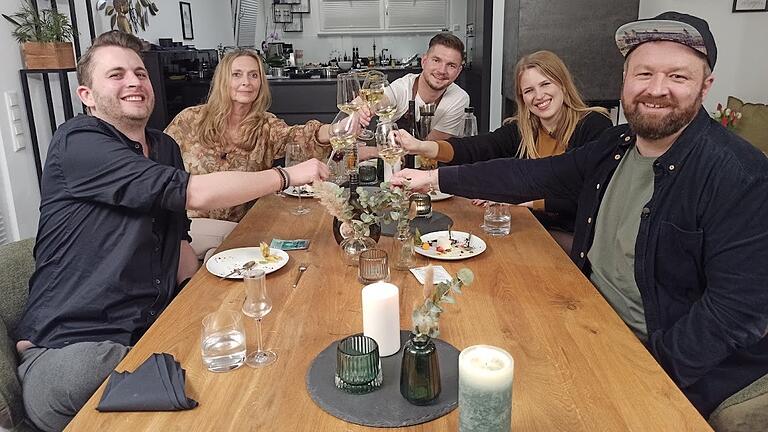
x: 305, y: 191
x: 230, y: 263
x: 450, y: 245
x: 436, y: 195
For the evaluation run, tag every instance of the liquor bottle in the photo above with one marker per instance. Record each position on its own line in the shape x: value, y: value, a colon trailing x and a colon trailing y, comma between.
x: 470, y: 122
x: 409, y: 161
x: 340, y: 231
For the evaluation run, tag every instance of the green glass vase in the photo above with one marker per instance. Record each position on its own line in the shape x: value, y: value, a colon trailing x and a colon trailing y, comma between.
x: 420, y: 371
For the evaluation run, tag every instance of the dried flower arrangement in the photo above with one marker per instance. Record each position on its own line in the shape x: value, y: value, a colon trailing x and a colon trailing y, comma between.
x: 426, y: 314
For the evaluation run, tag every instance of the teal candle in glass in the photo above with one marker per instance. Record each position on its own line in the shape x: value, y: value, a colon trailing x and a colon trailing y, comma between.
x: 485, y: 389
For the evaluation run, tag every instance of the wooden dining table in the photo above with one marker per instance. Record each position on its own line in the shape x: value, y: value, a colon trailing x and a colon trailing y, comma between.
x: 577, y: 365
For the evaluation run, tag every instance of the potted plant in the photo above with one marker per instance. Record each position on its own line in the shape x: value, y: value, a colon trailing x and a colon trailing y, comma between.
x: 128, y: 15
x: 45, y: 37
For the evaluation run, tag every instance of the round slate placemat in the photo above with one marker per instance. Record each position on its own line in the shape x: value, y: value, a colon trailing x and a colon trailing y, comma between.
x: 438, y: 222
x: 385, y: 407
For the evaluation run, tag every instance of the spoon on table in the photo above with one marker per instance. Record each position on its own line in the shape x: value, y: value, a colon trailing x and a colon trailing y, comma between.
x: 302, y: 269
x: 245, y: 266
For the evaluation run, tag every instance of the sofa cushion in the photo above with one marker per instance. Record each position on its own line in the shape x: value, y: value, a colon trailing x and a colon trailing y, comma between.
x: 11, y: 405
x: 753, y: 125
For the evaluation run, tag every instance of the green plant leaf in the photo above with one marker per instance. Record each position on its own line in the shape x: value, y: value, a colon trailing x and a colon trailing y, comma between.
x: 137, y: 6
x: 466, y: 276
x: 101, y: 4
x: 11, y: 20
x: 456, y: 288
x: 449, y: 299
x: 109, y: 10
x: 112, y: 22
x: 144, y: 3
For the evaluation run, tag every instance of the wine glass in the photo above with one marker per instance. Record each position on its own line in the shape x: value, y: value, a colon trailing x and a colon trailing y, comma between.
x: 389, y: 148
x: 294, y: 156
x: 382, y: 100
x: 348, y: 97
x: 257, y: 304
x: 370, y: 78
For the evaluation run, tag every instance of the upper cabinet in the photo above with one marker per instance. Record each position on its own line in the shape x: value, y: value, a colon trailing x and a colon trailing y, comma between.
x: 383, y: 16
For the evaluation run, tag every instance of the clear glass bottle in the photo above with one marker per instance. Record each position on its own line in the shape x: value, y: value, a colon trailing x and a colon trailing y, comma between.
x: 402, y: 255
x: 470, y: 122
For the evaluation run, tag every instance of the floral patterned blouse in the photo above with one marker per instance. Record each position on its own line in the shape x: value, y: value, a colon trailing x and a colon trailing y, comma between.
x: 205, y: 157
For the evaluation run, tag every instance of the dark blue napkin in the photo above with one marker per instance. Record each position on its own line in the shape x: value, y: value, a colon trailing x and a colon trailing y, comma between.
x: 156, y: 385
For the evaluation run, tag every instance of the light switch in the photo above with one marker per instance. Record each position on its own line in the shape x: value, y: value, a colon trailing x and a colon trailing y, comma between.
x: 11, y: 98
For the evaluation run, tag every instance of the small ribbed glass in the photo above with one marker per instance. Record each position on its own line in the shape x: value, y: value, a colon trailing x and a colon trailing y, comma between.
x: 374, y: 266
x: 358, y: 367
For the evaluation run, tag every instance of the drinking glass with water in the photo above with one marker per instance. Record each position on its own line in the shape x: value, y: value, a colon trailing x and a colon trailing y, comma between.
x: 497, y: 219
x: 223, y: 341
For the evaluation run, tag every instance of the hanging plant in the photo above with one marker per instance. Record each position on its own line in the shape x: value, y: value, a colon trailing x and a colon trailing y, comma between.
x: 128, y: 15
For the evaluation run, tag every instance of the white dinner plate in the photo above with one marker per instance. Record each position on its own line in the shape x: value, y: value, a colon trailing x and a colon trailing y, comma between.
x: 307, y: 192
x: 457, y: 252
x: 439, y: 196
x: 223, y: 263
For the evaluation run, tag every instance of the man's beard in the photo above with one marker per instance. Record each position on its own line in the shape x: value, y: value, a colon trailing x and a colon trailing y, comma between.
x: 110, y: 107
x: 652, y: 127
x: 433, y: 86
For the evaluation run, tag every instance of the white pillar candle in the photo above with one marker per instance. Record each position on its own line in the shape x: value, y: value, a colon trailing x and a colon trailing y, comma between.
x: 485, y: 389
x: 381, y: 316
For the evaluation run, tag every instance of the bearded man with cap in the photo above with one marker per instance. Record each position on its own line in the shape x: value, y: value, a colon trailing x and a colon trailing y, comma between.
x: 672, y: 221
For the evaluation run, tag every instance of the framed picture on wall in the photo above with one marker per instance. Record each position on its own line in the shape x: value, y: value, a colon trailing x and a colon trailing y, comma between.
x: 302, y: 7
x: 282, y: 13
x: 185, y: 9
x: 296, y: 26
x: 750, y: 6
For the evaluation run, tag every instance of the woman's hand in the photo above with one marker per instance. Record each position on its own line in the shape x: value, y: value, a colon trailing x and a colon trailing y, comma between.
x: 418, y: 180
x: 307, y: 172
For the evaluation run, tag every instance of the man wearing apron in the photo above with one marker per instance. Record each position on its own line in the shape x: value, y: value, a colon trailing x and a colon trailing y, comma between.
x: 441, y: 65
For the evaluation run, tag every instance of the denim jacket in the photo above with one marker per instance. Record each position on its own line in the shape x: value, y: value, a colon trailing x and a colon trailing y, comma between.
x: 701, y: 255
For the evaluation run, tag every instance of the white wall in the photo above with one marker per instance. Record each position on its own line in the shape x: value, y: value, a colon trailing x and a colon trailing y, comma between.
x: 742, y: 59
x: 211, y: 23
x: 317, y: 48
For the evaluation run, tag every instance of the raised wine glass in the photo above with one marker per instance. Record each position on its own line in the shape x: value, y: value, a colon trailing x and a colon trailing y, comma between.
x: 348, y: 97
x: 294, y: 156
x: 384, y: 101
x: 257, y: 304
x: 389, y: 149
x: 371, y: 77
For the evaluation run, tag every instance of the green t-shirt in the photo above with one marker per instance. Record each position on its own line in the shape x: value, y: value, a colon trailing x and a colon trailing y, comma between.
x: 612, y: 254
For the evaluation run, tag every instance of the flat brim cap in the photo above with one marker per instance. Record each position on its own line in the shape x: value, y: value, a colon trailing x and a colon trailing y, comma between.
x: 669, y: 26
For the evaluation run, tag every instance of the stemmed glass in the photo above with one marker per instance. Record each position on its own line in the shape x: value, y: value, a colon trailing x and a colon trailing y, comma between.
x: 348, y: 93
x: 389, y: 148
x: 295, y: 156
x: 343, y: 132
x: 371, y: 77
x: 257, y: 304
x: 383, y: 101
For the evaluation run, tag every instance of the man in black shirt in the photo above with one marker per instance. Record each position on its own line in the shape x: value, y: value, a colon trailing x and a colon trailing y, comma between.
x: 112, y: 244
x: 672, y: 219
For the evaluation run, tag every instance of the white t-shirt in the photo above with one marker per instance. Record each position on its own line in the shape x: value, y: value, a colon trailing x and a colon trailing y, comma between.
x: 449, y: 115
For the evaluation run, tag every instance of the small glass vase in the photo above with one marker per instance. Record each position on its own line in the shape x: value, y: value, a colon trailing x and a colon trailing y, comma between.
x: 352, y: 247
x: 420, y: 371
x: 402, y: 255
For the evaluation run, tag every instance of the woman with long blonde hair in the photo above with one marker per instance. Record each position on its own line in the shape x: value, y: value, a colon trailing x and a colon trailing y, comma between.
x: 551, y: 118
x: 233, y: 131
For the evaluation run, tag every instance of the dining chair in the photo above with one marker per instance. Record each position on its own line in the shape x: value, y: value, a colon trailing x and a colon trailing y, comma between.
x: 745, y: 411
x: 16, y: 266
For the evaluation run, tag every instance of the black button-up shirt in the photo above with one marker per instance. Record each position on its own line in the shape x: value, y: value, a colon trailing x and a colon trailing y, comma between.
x: 701, y: 255
x: 108, y: 241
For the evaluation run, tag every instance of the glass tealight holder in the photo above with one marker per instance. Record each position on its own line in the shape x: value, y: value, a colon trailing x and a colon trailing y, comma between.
x: 358, y: 366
